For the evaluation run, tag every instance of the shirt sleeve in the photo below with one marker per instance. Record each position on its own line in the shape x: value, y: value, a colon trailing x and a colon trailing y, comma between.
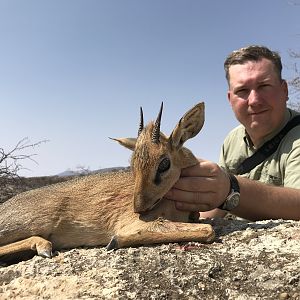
x: 222, y: 159
x: 292, y: 167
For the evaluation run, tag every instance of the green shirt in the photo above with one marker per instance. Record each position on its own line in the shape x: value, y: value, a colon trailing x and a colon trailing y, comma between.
x: 281, y: 168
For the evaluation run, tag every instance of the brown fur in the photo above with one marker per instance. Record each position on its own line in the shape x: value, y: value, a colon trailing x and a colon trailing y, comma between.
x: 115, y: 208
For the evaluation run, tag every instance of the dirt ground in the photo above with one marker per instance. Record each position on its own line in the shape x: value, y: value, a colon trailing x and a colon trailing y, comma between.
x: 248, y: 260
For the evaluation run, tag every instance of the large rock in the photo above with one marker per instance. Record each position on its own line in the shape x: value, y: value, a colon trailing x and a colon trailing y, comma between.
x: 258, y: 260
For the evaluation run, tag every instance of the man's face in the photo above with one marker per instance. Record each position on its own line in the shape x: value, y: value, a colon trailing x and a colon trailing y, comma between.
x: 258, y: 97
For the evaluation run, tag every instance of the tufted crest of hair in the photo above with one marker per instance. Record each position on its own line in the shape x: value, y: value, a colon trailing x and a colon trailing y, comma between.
x: 147, y: 153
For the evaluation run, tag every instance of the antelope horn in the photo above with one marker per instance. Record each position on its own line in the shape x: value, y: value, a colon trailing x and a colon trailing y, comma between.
x: 141, y: 126
x: 156, y: 130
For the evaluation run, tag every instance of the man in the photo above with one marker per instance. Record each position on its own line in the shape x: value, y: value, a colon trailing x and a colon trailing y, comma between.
x: 258, y: 96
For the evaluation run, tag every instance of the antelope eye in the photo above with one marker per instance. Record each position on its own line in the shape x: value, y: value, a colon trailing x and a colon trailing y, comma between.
x: 164, y: 165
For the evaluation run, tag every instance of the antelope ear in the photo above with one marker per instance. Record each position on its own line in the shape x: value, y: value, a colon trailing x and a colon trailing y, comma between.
x: 126, y: 142
x: 188, y: 126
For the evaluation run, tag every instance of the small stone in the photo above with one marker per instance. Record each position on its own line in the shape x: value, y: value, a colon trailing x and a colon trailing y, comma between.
x: 284, y: 296
x: 201, y: 286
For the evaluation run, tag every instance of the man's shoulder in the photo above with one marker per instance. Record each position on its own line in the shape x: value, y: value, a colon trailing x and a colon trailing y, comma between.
x: 235, y: 134
x: 294, y: 132
x: 293, y: 112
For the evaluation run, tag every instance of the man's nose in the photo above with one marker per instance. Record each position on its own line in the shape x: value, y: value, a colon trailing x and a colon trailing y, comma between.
x: 253, y: 97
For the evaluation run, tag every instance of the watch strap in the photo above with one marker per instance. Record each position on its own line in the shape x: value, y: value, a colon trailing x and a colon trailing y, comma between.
x: 234, y: 189
x: 234, y: 185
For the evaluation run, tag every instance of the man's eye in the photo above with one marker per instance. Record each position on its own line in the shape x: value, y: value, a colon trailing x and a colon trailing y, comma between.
x: 264, y: 86
x: 241, y: 92
x: 164, y: 165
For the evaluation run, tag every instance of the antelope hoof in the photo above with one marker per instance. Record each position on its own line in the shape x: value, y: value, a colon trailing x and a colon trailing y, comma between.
x: 46, y: 253
x: 113, y: 244
x: 42, y: 247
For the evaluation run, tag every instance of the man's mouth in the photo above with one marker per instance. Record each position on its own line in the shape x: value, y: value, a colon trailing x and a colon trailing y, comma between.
x: 256, y: 113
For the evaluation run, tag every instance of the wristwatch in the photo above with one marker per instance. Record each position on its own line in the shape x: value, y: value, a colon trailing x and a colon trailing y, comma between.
x: 233, y: 199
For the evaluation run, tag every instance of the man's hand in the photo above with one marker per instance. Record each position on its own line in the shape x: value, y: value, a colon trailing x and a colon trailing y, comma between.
x: 202, y: 187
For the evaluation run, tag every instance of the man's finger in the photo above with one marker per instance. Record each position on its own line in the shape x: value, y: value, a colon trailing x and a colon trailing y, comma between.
x: 194, y: 184
x: 203, y: 168
x: 198, y: 198
x: 191, y: 206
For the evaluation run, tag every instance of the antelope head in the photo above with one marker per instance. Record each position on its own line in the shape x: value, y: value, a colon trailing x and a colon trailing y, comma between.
x: 157, y: 159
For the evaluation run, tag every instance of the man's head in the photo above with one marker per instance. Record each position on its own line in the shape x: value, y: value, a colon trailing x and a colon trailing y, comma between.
x: 257, y: 93
x: 252, y: 53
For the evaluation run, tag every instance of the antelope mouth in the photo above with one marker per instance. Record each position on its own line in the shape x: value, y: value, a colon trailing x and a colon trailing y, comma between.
x: 148, y: 209
x: 154, y: 204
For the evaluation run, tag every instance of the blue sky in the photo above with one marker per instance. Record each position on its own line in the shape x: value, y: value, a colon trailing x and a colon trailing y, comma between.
x: 75, y: 72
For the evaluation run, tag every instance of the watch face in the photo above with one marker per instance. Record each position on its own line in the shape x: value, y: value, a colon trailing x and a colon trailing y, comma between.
x: 232, y: 201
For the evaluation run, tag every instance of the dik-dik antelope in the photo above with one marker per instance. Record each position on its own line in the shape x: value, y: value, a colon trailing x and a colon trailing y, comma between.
x: 120, y: 209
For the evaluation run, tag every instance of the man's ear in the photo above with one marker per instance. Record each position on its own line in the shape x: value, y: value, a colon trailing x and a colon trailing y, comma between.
x: 228, y: 96
x: 128, y: 143
x: 285, y: 89
x: 188, y: 126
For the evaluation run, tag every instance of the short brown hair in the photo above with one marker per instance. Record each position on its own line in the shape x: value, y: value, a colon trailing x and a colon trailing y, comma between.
x: 252, y: 53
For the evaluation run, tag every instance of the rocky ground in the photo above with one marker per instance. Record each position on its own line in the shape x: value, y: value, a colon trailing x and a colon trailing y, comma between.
x: 248, y: 260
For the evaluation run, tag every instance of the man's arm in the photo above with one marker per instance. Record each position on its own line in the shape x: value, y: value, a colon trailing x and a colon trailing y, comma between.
x: 261, y: 201
x: 205, y: 186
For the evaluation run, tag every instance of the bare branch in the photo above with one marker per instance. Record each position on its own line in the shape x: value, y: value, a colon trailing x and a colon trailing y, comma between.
x: 294, y: 83
x: 82, y: 170
x: 11, y: 160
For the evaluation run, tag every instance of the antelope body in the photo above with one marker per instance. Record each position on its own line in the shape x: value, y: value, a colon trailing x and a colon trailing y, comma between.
x: 118, y: 209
